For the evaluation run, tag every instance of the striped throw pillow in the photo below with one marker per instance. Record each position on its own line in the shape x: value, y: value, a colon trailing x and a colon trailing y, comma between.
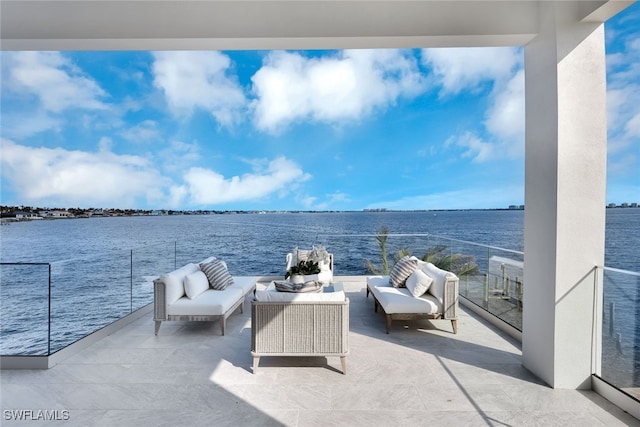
x: 217, y: 274
x: 402, y: 270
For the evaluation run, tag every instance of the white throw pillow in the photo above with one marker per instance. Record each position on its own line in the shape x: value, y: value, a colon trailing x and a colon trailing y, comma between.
x: 418, y: 283
x: 195, y: 284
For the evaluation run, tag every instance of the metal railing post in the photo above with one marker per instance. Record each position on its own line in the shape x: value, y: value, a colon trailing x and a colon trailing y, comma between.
x: 131, y: 281
x: 49, y: 328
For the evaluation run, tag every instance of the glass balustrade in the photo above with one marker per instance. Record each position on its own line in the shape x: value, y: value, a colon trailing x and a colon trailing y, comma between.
x: 24, y: 309
x: 620, y: 352
x: 47, y: 306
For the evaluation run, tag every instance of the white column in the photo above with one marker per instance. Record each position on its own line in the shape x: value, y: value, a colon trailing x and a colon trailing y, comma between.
x: 565, y: 185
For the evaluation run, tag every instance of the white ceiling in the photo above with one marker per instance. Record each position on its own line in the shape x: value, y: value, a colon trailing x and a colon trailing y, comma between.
x: 269, y: 24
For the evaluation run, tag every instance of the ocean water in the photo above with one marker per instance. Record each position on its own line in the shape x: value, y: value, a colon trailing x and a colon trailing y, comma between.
x: 102, y: 268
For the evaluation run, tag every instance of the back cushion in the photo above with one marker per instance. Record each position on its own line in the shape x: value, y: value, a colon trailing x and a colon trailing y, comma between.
x: 439, y: 277
x: 174, y: 282
x: 195, y: 284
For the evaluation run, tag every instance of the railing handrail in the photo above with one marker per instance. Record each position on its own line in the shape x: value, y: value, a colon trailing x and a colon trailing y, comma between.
x: 89, y: 257
x: 24, y: 263
x: 619, y: 270
x: 427, y: 235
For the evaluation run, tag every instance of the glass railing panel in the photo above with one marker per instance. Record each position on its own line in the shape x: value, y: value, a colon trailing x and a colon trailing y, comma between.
x: 147, y: 264
x: 497, y: 283
x: 620, y: 363
x: 88, y: 294
x: 24, y: 309
x: 489, y: 277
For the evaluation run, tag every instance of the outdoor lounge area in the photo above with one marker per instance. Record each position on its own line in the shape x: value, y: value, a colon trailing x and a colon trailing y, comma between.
x: 420, y: 373
x: 189, y: 374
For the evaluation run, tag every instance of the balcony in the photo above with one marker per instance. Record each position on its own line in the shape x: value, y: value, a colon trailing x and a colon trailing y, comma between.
x: 190, y: 375
x: 122, y: 374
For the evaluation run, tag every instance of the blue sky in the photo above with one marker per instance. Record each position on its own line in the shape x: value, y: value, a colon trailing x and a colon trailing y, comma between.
x: 275, y: 130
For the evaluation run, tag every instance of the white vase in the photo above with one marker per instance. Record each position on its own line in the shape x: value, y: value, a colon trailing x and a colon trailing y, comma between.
x: 297, y: 278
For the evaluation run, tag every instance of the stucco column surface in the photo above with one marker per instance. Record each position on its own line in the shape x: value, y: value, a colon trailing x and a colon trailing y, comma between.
x: 565, y: 189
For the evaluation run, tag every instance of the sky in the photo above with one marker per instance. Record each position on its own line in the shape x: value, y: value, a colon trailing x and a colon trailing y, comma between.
x: 289, y: 130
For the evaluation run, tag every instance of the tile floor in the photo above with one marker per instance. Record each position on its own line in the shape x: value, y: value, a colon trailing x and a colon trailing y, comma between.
x: 420, y: 374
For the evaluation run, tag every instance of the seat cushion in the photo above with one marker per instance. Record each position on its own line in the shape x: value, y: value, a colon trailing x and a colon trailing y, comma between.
x: 400, y: 300
x: 245, y: 283
x: 271, y: 296
x: 209, y: 303
x: 378, y: 281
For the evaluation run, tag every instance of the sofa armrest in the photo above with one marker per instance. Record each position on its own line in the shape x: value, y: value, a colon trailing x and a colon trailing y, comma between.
x: 159, y: 300
x: 450, y: 305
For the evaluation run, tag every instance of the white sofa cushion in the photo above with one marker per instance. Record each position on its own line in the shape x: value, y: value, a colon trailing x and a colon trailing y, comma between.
x: 402, y: 270
x: 217, y: 273
x: 400, y: 300
x: 439, y: 277
x: 418, y: 283
x: 174, y: 282
x: 208, y: 303
x: 246, y: 283
x: 275, y: 296
x: 195, y: 284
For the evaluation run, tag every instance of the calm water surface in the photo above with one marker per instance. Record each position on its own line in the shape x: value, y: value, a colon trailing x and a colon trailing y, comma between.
x: 93, y: 282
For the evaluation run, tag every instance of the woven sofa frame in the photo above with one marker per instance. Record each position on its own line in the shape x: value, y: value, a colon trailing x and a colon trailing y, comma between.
x: 160, y: 310
x: 318, y: 328
x: 450, y: 307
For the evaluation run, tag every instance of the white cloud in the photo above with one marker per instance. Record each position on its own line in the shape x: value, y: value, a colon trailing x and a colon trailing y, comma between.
x: 329, y: 201
x: 208, y: 187
x: 474, y: 147
x: 506, y: 116
x: 469, y: 198
x: 456, y: 70
x: 145, y: 131
x: 623, y: 115
x: 60, y: 177
x: 25, y: 124
x: 459, y: 69
x: 350, y: 85
x: 54, y: 80
x: 63, y: 177
x: 632, y: 128
x: 193, y: 80
x: 179, y: 156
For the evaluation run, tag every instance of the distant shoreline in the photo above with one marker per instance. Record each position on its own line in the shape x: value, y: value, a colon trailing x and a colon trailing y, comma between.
x: 146, y: 214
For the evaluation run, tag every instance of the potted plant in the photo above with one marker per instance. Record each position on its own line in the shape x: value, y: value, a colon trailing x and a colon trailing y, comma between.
x: 320, y: 255
x: 303, y: 272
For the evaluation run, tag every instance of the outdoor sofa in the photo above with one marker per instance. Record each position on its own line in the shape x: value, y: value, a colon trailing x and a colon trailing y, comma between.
x: 187, y: 294
x: 422, y: 291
